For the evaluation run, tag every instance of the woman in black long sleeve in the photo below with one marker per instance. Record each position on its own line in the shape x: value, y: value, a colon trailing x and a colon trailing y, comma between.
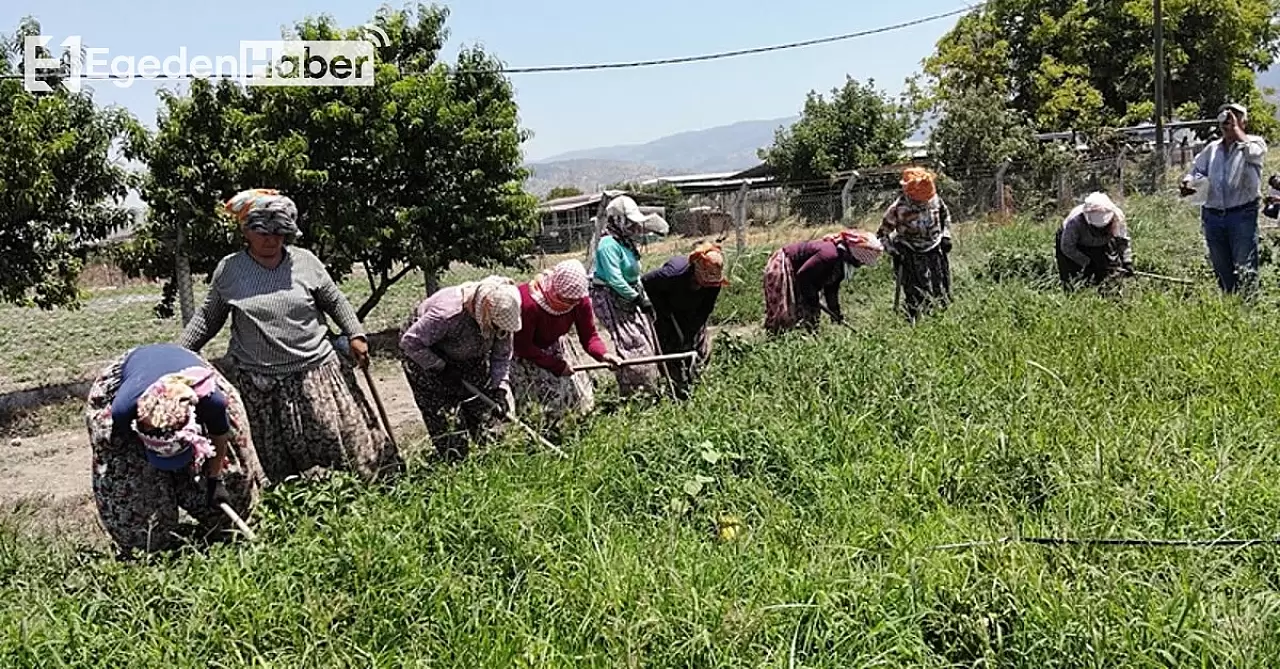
x: 683, y: 293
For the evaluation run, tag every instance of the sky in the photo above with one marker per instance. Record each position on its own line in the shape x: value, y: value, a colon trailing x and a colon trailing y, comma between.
x: 565, y: 111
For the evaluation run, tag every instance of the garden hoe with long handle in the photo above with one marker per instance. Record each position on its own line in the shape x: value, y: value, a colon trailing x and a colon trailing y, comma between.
x: 237, y: 521
x: 503, y: 412
x: 382, y: 410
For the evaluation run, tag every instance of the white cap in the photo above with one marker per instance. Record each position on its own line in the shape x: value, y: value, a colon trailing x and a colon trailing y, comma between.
x: 1240, y: 110
x: 625, y: 207
x: 1099, y: 210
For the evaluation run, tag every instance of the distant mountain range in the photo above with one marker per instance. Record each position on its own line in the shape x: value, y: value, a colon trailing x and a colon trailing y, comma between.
x: 723, y: 149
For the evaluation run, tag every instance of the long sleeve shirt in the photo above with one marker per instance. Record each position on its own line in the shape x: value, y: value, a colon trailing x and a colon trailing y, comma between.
x: 617, y: 267
x: 919, y: 226
x: 819, y: 268
x: 443, y: 332
x: 539, y: 330
x: 1234, y: 172
x: 143, y: 367
x: 1078, y: 234
x: 676, y: 295
x: 277, y: 315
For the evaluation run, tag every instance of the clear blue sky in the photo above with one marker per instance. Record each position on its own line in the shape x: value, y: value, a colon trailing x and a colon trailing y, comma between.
x: 565, y: 111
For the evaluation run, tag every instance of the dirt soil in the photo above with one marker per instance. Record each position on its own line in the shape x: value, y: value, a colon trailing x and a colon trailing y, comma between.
x: 45, y: 485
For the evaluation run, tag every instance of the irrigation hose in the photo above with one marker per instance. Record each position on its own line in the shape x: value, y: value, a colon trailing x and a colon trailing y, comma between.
x: 1092, y: 541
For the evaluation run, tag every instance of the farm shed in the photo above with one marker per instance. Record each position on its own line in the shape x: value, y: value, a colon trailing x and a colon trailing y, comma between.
x: 567, y: 223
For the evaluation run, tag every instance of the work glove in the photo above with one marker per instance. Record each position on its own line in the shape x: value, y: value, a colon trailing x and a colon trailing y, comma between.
x: 1127, y: 269
x: 945, y: 245
x: 504, y: 398
x: 215, y: 493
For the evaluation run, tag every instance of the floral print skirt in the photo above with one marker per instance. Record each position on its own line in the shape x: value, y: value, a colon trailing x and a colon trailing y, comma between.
x: 314, y: 421
x: 137, y: 503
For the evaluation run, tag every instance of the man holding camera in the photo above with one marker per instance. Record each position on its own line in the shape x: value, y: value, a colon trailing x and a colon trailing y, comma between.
x: 1231, y: 169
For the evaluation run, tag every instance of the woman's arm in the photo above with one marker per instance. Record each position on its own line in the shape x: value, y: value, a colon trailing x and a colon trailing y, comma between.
x: 207, y: 322
x: 417, y: 341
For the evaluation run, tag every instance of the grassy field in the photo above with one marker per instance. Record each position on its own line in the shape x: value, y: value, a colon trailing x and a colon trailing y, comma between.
x: 849, y: 458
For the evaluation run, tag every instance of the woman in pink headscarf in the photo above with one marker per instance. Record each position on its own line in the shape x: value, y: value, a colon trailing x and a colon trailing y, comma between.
x: 551, y: 304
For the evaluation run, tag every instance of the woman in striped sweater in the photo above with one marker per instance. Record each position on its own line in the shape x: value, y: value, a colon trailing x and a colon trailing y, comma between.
x: 306, y: 410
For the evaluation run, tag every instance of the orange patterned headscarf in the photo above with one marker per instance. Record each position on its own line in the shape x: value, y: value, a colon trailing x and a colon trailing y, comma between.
x: 708, y: 265
x: 918, y: 184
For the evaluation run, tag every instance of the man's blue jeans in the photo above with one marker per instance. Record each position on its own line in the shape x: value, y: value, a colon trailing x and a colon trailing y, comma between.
x: 1232, y: 238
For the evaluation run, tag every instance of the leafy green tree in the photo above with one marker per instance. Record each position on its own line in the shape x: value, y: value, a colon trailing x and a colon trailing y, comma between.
x: 857, y: 127
x: 975, y: 132
x: 1085, y: 64
x: 415, y: 172
x: 563, y: 191
x: 60, y: 188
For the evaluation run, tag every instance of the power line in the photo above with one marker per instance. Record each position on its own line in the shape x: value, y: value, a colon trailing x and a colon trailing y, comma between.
x: 626, y: 64
x: 741, y: 52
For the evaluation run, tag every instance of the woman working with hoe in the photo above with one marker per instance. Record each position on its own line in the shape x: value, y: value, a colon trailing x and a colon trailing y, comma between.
x: 683, y: 293
x: 158, y: 418
x: 305, y: 406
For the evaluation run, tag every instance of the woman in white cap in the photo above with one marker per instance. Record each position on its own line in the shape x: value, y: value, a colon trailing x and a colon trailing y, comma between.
x: 461, y: 333
x: 617, y: 293
x: 1093, y: 243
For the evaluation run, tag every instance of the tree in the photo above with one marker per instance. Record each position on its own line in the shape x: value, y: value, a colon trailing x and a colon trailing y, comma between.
x: 1085, y: 64
x: 60, y: 189
x: 857, y: 127
x: 975, y: 132
x: 415, y: 172
x: 562, y: 191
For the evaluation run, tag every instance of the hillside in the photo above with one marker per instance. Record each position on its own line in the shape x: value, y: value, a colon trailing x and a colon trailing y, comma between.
x: 587, y: 174
x: 721, y: 149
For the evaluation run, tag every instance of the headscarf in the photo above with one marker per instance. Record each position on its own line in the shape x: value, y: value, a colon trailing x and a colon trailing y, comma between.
x: 173, y: 438
x: 708, y: 265
x: 266, y: 211
x: 863, y: 246
x: 1099, y: 211
x: 559, y: 289
x: 625, y: 222
x: 494, y: 302
x: 918, y: 184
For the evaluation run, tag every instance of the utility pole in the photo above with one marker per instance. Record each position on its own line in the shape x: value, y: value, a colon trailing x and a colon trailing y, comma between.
x: 1159, y: 77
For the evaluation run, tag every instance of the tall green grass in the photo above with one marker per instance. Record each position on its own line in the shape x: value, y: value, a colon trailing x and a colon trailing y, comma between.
x: 848, y: 456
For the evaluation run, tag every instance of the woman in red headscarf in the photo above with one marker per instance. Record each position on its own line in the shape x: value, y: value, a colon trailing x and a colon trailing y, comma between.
x: 797, y: 274
x: 683, y: 292
x: 916, y: 232
x: 553, y: 303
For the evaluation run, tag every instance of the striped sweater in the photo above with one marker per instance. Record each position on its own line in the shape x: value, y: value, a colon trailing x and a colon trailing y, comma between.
x: 278, y: 324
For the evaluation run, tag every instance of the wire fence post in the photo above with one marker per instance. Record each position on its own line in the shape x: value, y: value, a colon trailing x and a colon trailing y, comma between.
x: 182, y: 276
x: 740, y: 217
x: 846, y: 194
x: 1002, y: 202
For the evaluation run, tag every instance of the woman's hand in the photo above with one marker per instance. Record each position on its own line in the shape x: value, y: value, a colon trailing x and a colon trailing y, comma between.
x: 360, y: 351
x: 217, y: 464
x: 613, y: 360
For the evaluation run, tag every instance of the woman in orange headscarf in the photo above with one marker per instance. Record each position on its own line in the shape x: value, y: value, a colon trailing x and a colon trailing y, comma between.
x: 916, y: 232
x: 684, y: 292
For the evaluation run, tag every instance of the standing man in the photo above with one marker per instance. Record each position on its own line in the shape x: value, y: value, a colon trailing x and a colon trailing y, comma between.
x: 1232, y: 167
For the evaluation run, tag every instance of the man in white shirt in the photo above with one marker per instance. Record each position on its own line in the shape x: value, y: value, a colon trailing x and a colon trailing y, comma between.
x: 1232, y: 166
